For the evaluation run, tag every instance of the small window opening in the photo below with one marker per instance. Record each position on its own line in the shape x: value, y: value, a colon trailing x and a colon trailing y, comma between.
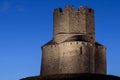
x: 81, y: 50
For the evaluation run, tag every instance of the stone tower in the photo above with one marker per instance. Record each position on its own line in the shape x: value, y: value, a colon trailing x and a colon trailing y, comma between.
x: 73, y: 53
x: 73, y: 48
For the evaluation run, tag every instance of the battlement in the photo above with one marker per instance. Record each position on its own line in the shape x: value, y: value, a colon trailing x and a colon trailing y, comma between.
x: 71, y: 9
x: 70, y: 21
x: 73, y: 48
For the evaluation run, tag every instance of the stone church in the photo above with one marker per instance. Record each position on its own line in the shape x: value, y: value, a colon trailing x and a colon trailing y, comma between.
x: 73, y: 52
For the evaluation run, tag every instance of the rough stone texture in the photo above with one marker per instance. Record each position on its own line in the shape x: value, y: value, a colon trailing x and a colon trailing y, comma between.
x: 73, y: 48
x: 74, y: 57
x: 50, y: 60
x: 71, y: 21
x: 100, y: 59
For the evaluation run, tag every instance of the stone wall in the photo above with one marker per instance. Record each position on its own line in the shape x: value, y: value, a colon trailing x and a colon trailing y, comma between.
x: 73, y: 48
x: 50, y: 60
x: 75, y: 57
x: 71, y: 21
x: 68, y: 57
x: 100, y: 60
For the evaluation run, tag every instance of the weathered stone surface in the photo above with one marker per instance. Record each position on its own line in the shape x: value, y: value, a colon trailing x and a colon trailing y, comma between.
x: 73, y: 48
x: 71, y: 21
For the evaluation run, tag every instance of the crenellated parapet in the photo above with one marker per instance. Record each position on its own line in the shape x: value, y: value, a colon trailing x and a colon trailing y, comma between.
x: 73, y: 48
x: 83, y: 9
x: 71, y: 21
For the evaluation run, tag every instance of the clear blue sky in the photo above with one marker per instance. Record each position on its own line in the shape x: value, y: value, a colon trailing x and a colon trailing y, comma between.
x: 25, y: 25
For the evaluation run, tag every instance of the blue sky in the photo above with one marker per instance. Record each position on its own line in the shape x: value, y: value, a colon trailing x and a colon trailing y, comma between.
x: 25, y: 25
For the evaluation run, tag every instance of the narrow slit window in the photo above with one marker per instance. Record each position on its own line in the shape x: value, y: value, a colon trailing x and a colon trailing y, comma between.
x: 81, y: 50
